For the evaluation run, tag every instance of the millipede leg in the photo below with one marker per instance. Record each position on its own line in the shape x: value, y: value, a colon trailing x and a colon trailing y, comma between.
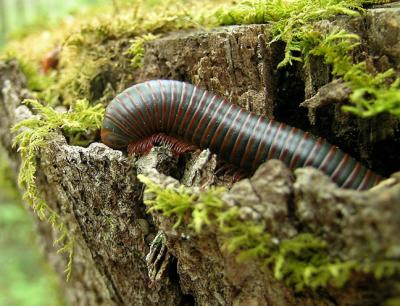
x: 176, y: 145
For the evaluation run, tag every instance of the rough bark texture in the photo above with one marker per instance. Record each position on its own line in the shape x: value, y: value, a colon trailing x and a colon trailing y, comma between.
x: 96, y: 190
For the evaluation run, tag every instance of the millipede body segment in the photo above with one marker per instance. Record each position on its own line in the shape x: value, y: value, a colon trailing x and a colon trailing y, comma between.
x: 185, y: 117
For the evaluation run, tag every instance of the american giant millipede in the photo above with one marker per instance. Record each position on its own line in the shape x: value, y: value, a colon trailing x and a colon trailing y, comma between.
x: 185, y: 117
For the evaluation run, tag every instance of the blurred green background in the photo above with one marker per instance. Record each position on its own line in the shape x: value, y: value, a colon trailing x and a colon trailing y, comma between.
x: 25, y: 276
x: 17, y: 15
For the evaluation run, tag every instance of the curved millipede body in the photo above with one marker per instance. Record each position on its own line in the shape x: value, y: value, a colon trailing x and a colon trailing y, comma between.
x: 184, y: 117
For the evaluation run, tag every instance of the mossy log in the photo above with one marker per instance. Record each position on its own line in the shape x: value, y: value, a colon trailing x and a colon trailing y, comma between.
x: 98, y: 194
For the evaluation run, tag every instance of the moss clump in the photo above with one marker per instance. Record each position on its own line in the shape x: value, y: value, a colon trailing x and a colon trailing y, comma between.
x: 91, y: 65
x: 179, y: 202
x: 371, y: 93
x: 293, y: 22
x: 34, y: 134
x: 302, y: 261
x: 136, y: 50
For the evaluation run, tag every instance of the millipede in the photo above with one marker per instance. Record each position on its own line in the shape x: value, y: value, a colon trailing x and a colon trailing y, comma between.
x: 185, y: 117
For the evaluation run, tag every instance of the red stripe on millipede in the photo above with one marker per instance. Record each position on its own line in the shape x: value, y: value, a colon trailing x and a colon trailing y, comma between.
x: 366, y: 179
x: 250, y: 143
x: 240, y: 135
x: 312, y: 155
x: 212, y: 122
x: 203, y: 117
x: 262, y: 139
x: 179, y: 109
x: 220, y: 126
x: 133, y: 127
x: 352, y: 176
x: 163, y: 108
x: 285, y: 150
x: 199, y: 107
x: 171, y: 109
x: 340, y: 167
x: 229, y: 131
x: 155, y: 103
x: 121, y: 126
x: 273, y: 146
x: 295, y: 156
x: 146, y: 127
x: 327, y: 158
x: 378, y: 178
x: 147, y: 105
x: 188, y: 110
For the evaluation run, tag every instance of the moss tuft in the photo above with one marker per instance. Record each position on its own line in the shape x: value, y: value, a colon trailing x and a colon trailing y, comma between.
x: 293, y: 22
x: 33, y: 135
x: 372, y: 94
x: 302, y: 261
x: 136, y: 50
x: 91, y: 61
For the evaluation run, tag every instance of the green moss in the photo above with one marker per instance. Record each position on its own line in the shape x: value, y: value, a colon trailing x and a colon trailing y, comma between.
x: 302, y: 261
x: 36, y: 82
x: 394, y: 300
x: 33, y: 135
x: 91, y: 66
x: 292, y: 22
x: 136, y: 50
x: 171, y: 202
x: 91, y: 58
x: 371, y: 93
x: 8, y: 188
